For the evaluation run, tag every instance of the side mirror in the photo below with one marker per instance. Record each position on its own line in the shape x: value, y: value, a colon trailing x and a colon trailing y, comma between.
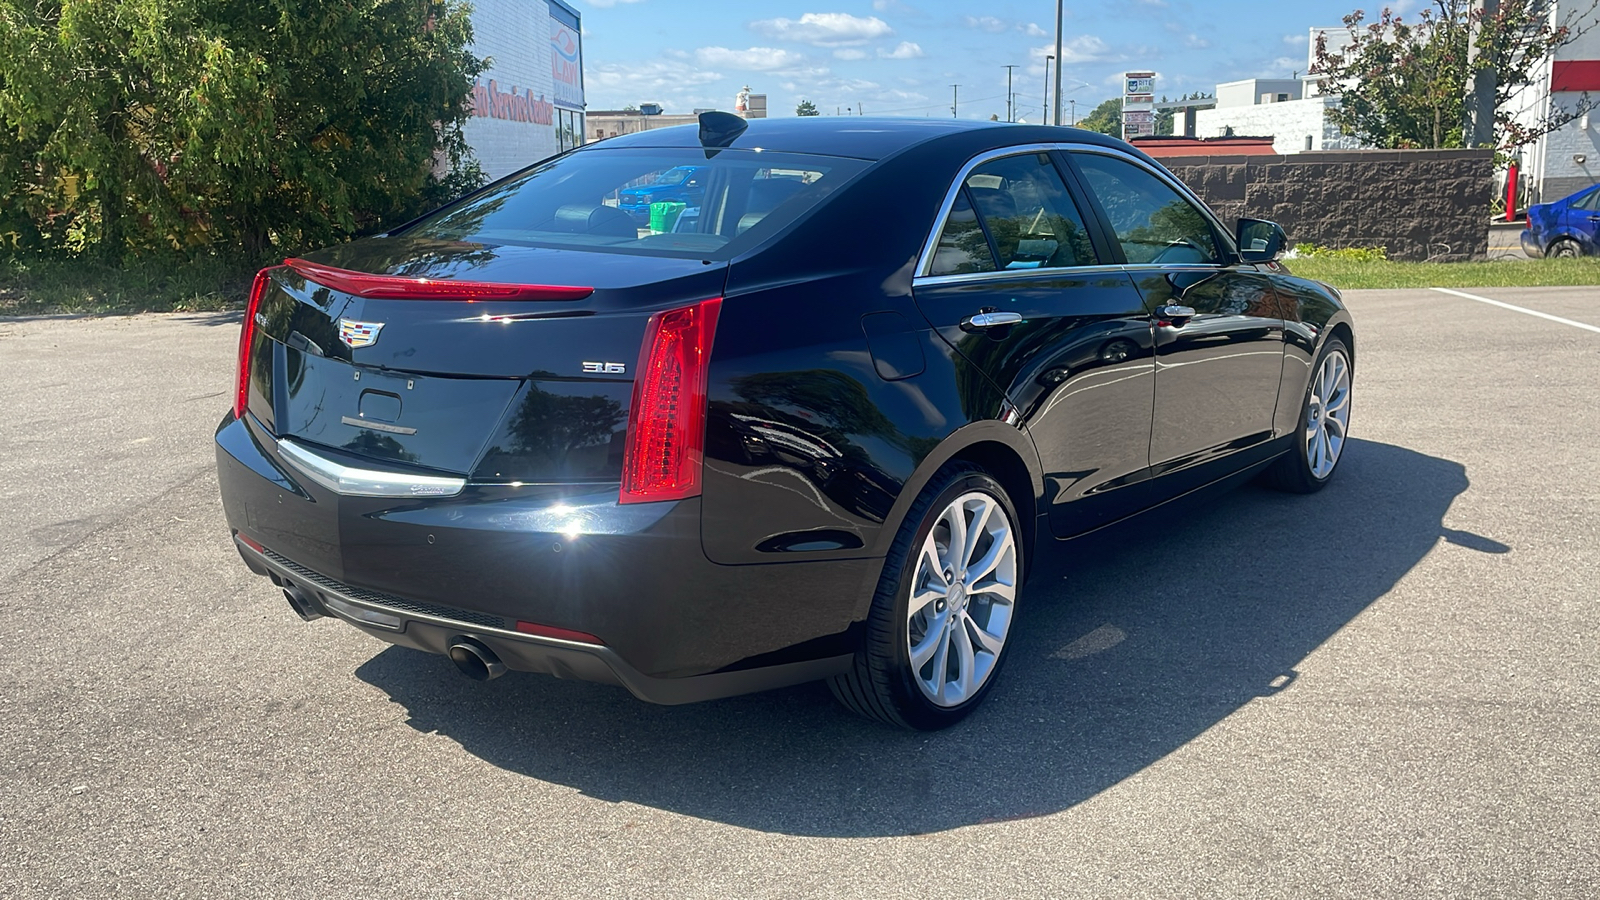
x: 1260, y: 241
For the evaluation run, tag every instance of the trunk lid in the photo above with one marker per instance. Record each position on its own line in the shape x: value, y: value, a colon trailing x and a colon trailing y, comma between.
x: 501, y: 390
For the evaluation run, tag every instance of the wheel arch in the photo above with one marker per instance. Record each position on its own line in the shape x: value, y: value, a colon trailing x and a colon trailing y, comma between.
x: 1004, y: 451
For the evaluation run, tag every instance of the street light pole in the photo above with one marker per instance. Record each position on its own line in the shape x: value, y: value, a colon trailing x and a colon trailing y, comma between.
x: 955, y: 99
x: 1047, y: 60
x: 1011, y: 108
x: 1060, y: 60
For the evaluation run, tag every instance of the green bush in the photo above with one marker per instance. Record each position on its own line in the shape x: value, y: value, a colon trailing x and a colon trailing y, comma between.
x: 1354, y: 254
x: 226, y: 128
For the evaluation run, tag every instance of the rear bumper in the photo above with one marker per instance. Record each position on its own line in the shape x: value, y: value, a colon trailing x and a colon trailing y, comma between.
x: 673, y: 626
x: 433, y: 630
x: 1530, y: 245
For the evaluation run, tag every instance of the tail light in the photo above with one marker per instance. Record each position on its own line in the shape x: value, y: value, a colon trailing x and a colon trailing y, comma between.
x: 667, y: 423
x: 247, y: 337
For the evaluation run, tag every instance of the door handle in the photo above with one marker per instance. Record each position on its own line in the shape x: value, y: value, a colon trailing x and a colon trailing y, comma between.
x: 983, y: 320
x: 1175, y: 312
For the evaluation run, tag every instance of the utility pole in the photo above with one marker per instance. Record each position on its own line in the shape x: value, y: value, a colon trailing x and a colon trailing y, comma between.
x: 1047, y: 61
x: 955, y: 100
x: 1074, y: 103
x: 1011, y: 106
x: 1060, y: 61
x: 1479, y: 106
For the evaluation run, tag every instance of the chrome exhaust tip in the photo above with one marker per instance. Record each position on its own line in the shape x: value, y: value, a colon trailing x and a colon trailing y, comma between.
x: 475, y: 660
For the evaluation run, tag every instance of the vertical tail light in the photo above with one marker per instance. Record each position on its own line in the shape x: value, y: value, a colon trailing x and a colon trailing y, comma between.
x: 247, y: 337
x: 667, y: 423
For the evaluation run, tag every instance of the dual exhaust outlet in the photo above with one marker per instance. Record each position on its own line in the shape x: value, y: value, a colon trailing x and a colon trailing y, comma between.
x: 474, y: 659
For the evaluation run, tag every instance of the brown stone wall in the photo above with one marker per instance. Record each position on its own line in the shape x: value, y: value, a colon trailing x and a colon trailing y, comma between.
x: 1416, y: 204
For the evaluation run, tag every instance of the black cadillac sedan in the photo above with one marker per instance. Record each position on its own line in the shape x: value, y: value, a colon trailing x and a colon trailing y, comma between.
x: 821, y: 424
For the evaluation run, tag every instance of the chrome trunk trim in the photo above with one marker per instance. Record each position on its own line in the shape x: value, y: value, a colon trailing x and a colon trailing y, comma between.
x: 352, y: 482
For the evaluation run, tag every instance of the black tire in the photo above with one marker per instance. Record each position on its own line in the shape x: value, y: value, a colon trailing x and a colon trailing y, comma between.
x: 881, y: 683
x: 1565, y: 248
x: 1292, y: 471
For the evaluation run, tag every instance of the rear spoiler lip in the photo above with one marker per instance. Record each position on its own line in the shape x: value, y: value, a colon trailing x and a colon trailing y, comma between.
x: 397, y: 287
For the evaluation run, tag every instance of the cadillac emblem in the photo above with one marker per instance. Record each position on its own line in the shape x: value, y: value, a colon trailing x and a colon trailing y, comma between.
x: 359, y: 334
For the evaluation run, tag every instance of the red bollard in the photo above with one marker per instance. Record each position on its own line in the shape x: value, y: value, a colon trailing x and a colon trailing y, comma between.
x: 1511, y: 193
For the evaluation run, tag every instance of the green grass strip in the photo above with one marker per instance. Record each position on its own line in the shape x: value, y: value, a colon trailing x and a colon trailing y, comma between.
x: 1347, y: 274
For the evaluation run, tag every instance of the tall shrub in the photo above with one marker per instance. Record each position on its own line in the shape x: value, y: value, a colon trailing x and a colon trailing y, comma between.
x: 234, y: 126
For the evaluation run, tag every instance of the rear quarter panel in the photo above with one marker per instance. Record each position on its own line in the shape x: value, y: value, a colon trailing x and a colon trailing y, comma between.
x: 819, y: 434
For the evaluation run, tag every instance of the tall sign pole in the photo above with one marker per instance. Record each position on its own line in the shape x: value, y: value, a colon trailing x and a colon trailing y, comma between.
x: 1060, y: 61
x: 955, y: 100
x: 1479, y: 104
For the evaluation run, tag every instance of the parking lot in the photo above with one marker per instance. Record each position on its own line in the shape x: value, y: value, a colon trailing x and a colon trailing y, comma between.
x: 1387, y: 689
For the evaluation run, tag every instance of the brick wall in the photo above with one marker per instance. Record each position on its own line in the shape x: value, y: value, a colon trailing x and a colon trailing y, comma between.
x: 1417, y: 204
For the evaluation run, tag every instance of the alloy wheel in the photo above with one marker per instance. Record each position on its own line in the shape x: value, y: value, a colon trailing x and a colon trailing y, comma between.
x: 962, y: 599
x: 1328, y: 414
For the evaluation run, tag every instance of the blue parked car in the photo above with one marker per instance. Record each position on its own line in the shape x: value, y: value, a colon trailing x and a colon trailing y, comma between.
x: 1565, y: 228
x: 682, y: 183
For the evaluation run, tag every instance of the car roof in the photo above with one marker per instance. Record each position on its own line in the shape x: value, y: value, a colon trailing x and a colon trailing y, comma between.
x: 860, y: 137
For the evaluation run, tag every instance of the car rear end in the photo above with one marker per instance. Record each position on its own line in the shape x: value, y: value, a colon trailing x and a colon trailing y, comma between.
x: 482, y: 436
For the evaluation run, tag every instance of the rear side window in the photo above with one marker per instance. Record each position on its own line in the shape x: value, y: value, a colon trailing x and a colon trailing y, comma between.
x: 1030, y: 217
x: 659, y: 202
x: 1589, y: 202
x: 1013, y: 213
x: 963, y: 247
x: 1152, y: 221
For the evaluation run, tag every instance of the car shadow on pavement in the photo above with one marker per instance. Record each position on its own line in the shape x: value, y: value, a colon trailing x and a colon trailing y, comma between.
x: 1163, y: 627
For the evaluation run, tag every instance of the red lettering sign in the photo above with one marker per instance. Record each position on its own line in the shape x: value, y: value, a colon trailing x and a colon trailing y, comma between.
x: 488, y: 101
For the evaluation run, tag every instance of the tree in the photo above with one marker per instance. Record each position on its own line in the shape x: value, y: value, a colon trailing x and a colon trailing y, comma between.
x: 806, y: 108
x: 1404, y: 84
x: 232, y: 126
x: 1105, y: 118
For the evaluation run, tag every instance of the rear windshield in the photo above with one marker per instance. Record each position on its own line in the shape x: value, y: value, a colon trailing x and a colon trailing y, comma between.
x: 690, y: 203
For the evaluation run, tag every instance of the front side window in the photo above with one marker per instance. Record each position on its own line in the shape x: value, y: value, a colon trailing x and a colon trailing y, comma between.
x: 1152, y: 221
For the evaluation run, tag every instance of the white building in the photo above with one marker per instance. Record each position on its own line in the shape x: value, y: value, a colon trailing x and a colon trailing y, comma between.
x: 1289, y: 110
x: 528, y: 104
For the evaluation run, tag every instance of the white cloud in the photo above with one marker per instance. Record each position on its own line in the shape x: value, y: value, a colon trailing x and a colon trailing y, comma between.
x: 891, y: 6
x: 665, y: 80
x: 1032, y: 30
x: 825, y: 29
x: 1297, y: 40
x: 849, y: 53
x: 607, y: 4
x: 987, y: 23
x: 759, y: 59
x: 906, y: 50
x: 1195, y: 42
x: 1085, y: 48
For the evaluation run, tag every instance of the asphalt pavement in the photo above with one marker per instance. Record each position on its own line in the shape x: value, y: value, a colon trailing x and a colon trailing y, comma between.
x: 1384, y: 690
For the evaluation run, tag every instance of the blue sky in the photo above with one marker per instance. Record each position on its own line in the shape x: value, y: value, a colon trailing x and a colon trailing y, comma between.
x: 899, y: 57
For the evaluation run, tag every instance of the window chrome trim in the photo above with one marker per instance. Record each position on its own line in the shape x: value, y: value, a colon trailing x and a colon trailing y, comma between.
x: 352, y: 482
x: 1012, y: 276
x: 922, y: 273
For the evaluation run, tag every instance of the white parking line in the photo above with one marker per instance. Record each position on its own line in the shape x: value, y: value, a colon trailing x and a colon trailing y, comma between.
x: 1531, y: 312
